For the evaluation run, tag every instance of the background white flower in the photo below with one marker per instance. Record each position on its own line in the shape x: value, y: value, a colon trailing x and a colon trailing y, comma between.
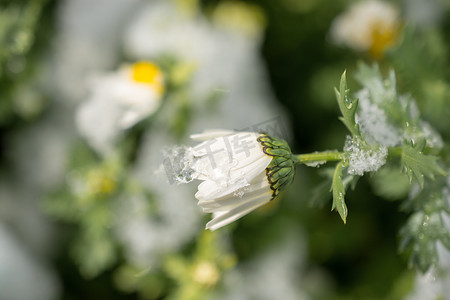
x: 367, y: 26
x: 227, y: 64
x: 118, y: 101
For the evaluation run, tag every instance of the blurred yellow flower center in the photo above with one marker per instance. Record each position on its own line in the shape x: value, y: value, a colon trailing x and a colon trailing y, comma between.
x: 245, y: 18
x: 206, y: 273
x: 383, y: 37
x: 100, y: 183
x: 149, y: 73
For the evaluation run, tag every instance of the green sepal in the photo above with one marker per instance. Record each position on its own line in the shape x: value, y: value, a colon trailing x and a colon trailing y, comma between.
x: 281, y: 170
x: 275, y: 152
x: 281, y: 182
x: 282, y: 161
x: 278, y: 172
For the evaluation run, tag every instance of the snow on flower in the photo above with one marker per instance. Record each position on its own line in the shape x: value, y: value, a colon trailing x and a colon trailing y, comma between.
x: 367, y: 26
x: 118, y: 101
x: 237, y: 172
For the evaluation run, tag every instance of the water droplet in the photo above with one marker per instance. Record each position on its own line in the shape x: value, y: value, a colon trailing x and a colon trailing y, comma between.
x: 316, y: 164
x: 239, y: 193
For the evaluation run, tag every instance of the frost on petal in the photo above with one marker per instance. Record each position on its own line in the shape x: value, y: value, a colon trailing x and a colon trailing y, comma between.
x: 364, y: 157
x: 233, y: 170
x: 215, y: 202
x: 373, y: 122
x: 230, y: 159
x: 177, y: 164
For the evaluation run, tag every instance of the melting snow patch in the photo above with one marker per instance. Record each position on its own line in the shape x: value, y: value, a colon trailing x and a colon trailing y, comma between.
x: 364, y: 157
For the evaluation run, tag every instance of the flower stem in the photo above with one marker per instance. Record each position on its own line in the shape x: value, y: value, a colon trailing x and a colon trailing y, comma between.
x: 318, y: 157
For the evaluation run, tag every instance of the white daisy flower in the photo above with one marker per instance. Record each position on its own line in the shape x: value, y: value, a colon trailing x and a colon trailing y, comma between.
x: 367, y: 26
x: 118, y: 101
x: 241, y: 171
x: 162, y: 29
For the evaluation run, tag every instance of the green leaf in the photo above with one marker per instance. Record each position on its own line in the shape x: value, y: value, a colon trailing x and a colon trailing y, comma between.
x: 400, y: 110
x: 426, y: 225
x: 418, y: 165
x: 419, y: 237
x: 432, y: 198
x: 338, y: 189
x: 390, y: 183
x: 347, y: 106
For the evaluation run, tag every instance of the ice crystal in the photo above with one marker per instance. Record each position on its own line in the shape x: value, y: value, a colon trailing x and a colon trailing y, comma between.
x: 177, y: 164
x: 316, y: 164
x: 363, y: 157
x: 181, y: 165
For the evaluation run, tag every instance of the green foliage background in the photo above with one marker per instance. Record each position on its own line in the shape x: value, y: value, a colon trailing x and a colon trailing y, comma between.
x: 360, y: 258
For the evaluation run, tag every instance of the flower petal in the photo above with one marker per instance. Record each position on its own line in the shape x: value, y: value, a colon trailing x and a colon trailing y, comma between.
x: 210, y: 189
x: 254, y: 190
x: 238, y: 146
x: 258, y: 185
x: 210, y: 134
x: 233, y: 202
x: 232, y: 215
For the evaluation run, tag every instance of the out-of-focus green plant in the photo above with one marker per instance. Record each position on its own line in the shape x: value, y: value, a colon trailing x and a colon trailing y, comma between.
x: 389, y: 138
x: 87, y: 201
x: 18, y: 22
x: 192, y: 276
x: 23, y: 29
